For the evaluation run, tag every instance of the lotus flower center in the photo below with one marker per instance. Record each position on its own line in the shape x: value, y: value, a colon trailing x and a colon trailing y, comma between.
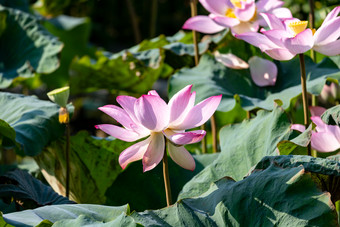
x: 230, y: 13
x: 237, y: 3
x: 298, y: 26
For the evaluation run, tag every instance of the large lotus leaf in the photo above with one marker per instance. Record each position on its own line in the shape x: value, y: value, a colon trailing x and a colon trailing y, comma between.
x: 93, y: 163
x: 273, y: 196
x: 324, y: 172
x: 26, y: 47
x: 27, y: 191
x: 74, y: 33
x: 150, y: 193
x: 62, y: 213
x: 34, y: 121
x: 129, y: 72
x: 242, y: 146
x: 212, y: 78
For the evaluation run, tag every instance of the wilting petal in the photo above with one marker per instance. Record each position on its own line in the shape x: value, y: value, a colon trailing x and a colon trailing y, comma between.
x: 324, y: 141
x: 329, y: 49
x: 272, y: 21
x: 231, y: 61
x: 218, y: 7
x: 187, y: 137
x: 301, y: 43
x: 256, y: 39
x: 316, y: 110
x: 153, y: 92
x: 328, y: 32
x: 154, y: 152
x: 333, y: 14
x: 263, y: 72
x: 200, y: 113
x: 133, y: 153
x: 245, y: 27
x: 320, y: 125
x: 298, y: 127
x: 246, y: 12
x: 267, y: 5
x: 282, y: 13
x: 180, y: 104
x: 280, y: 54
x: 202, y: 24
x: 152, y: 112
x: 120, y: 133
x: 181, y: 156
x: 225, y: 21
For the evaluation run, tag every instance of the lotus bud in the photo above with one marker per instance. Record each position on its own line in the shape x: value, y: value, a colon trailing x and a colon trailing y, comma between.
x: 330, y: 93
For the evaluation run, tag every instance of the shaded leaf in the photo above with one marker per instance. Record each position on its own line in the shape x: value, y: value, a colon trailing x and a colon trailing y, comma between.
x: 74, y: 33
x: 26, y: 47
x: 34, y: 121
x: 134, y: 73
x: 324, y: 172
x: 29, y: 192
x: 151, y: 193
x: 93, y: 163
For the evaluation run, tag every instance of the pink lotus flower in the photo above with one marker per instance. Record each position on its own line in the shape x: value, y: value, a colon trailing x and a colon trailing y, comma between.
x: 289, y: 37
x: 325, y: 138
x: 239, y: 15
x: 262, y: 71
x: 149, y: 116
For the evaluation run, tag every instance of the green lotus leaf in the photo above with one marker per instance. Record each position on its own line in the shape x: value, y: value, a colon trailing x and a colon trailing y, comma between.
x: 26, y: 47
x: 242, y: 146
x: 34, y: 121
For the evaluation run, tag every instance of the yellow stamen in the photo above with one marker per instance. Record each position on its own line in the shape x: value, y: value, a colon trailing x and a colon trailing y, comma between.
x: 298, y: 26
x: 230, y: 13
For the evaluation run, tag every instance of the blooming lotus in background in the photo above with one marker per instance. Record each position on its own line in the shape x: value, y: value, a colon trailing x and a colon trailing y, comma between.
x: 262, y: 71
x: 325, y: 138
x: 238, y: 15
x: 289, y: 37
x: 149, y: 116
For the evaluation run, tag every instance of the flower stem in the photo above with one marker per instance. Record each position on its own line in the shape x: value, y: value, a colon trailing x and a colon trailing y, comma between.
x: 214, y: 133
x: 166, y: 178
x: 67, y: 153
x: 134, y: 21
x: 248, y: 114
x: 153, y: 21
x: 304, y: 95
x: 193, y: 7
